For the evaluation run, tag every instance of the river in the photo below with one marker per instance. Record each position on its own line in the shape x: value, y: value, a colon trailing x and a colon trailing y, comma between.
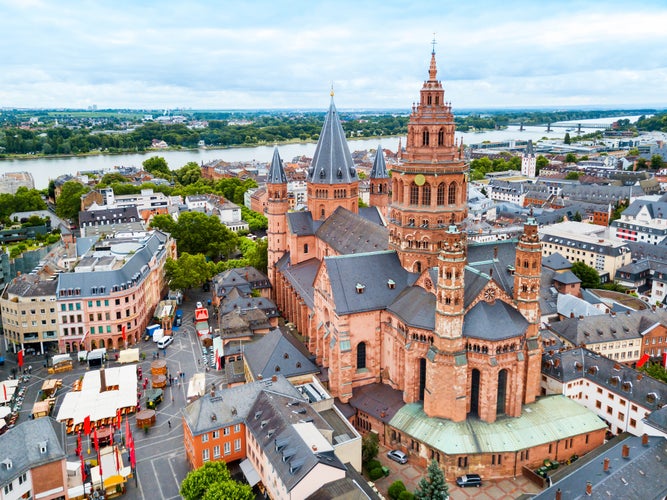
x: 44, y: 169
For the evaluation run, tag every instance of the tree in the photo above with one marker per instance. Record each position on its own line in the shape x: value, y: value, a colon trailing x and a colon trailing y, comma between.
x: 369, y: 447
x: 188, y: 174
x: 571, y: 158
x: 572, y: 176
x: 433, y: 486
x: 577, y: 216
x: 655, y: 370
x: 188, y: 271
x: 641, y: 164
x: 258, y: 255
x: 157, y: 166
x: 657, y: 162
x: 163, y: 222
x: 213, y: 481
x: 196, y: 232
x: 540, y: 163
x: 395, y: 490
x: 567, y: 139
x: 113, y: 177
x: 68, y: 203
x: 589, y: 277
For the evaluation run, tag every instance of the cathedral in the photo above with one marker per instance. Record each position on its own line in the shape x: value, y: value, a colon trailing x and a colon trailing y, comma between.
x: 432, y: 341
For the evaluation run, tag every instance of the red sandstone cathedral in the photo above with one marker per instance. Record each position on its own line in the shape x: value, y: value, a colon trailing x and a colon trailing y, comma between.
x: 424, y: 338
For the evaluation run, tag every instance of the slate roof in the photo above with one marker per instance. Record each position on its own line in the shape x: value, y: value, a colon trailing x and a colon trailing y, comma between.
x: 231, y: 406
x: 571, y: 306
x: 347, y: 233
x: 548, y: 293
x: 658, y: 419
x: 21, y: 445
x: 415, y: 307
x: 641, y: 250
x: 379, y: 170
x: 656, y: 209
x: 278, y: 349
x: 28, y: 285
x: 276, y: 173
x: 373, y: 271
x: 585, y: 243
x: 135, y: 268
x: 373, y: 215
x: 507, y: 322
x: 578, y: 363
x: 379, y: 401
x: 107, y: 216
x: 481, y: 261
x: 275, y: 423
x: 301, y: 223
x: 301, y: 276
x: 567, y: 278
x: 641, y: 475
x: 556, y: 262
x: 332, y: 162
x: 607, y: 328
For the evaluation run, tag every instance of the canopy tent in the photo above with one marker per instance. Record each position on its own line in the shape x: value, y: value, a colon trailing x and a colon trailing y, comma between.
x: 128, y: 356
x: 7, y: 388
x: 5, y: 411
x: 249, y: 472
x: 121, y: 392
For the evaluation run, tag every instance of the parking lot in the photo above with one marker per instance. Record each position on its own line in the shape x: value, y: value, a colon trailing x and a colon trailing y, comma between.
x: 161, y: 463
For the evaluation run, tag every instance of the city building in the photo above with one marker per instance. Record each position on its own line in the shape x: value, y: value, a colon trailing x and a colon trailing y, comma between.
x: 11, y: 181
x: 529, y: 161
x: 620, y: 395
x: 33, y: 461
x: 643, y: 220
x: 229, y: 213
x: 442, y: 333
x: 587, y: 243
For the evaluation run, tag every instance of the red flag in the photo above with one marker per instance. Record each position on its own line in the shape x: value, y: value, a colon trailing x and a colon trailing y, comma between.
x: 643, y: 360
x: 83, y: 469
x: 664, y: 359
x: 133, y: 458
x: 20, y: 358
x: 4, y: 390
x: 119, y: 418
x: 79, y: 450
x: 99, y: 462
x: 96, y: 441
x: 122, y: 332
x: 86, y: 425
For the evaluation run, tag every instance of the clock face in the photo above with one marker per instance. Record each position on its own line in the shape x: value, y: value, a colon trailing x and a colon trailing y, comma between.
x: 420, y: 179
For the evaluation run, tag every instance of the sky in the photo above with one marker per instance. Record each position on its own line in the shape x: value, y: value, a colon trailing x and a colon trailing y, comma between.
x: 286, y: 54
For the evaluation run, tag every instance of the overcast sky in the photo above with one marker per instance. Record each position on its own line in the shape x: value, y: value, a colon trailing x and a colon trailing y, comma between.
x: 248, y: 54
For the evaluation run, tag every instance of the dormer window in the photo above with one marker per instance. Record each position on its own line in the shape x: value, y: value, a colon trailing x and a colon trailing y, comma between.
x: 391, y: 284
x: 7, y: 462
x: 360, y: 288
x: 42, y: 447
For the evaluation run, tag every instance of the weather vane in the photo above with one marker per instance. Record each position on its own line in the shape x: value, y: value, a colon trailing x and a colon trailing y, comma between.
x: 434, y: 42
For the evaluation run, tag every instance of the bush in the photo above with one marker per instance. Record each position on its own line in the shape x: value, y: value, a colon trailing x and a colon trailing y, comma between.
x: 372, y: 464
x: 395, y: 490
x: 375, y: 474
x: 406, y: 495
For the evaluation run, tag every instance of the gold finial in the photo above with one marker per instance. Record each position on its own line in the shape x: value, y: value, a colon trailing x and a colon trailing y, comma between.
x: 332, y: 90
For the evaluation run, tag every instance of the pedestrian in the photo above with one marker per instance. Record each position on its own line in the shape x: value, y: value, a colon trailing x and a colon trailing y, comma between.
x: 29, y: 368
x: 172, y: 397
x: 169, y: 423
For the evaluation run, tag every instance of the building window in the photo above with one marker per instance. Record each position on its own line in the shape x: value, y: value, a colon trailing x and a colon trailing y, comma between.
x: 633, y: 422
x: 204, y: 438
x: 237, y: 445
x: 205, y: 455
x: 441, y: 194
x: 228, y: 448
x: 361, y: 355
x: 451, y: 196
x: 237, y: 428
x: 426, y: 195
x: 414, y: 194
x: 216, y: 434
x: 216, y: 451
x: 226, y: 431
x: 305, y: 248
x: 463, y: 462
x: 598, y: 404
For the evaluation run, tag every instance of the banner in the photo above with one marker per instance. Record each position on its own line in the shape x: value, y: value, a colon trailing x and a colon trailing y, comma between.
x: 20, y: 358
x: 643, y: 360
x: 123, y: 333
x: 86, y: 425
x: 664, y: 359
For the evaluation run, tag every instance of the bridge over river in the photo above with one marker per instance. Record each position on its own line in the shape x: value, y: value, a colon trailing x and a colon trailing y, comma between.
x: 578, y: 126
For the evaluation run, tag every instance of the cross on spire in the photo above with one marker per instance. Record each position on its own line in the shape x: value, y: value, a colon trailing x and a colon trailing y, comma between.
x: 433, y: 43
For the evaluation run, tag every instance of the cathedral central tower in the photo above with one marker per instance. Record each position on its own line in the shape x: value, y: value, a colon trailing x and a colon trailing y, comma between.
x: 430, y: 186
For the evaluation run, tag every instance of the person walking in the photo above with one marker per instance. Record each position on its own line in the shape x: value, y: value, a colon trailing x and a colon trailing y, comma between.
x: 169, y: 423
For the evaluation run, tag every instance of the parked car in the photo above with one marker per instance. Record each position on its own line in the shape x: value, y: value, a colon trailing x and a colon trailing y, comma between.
x: 398, y: 456
x: 165, y: 341
x: 469, y: 480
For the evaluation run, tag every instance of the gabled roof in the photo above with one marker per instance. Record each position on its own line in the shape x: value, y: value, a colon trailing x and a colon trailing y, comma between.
x: 332, y: 162
x: 363, y: 282
x: 278, y: 352
x: 348, y: 233
x: 21, y: 445
x: 656, y: 209
x: 566, y: 278
x: 487, y: 261
x: 570, y: 306
x: 289, y: 433
x: 276, y: 173
x: 379, y: 170
x: 494, y: 321
x: 556, y: 262
x: 301, y: 276
x: 301, y: 223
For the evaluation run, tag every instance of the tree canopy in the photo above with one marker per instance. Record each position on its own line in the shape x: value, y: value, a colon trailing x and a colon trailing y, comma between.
x: 213, y: 481
x: 196, y: 232
x: 589, y: 277
x: 433, y: 485
x: 157, y: 166
x: 188, y: 271
x: 68, y: 203
x: 24, y: 200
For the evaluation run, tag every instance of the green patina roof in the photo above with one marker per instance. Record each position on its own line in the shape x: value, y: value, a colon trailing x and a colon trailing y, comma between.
x: 549, y: 419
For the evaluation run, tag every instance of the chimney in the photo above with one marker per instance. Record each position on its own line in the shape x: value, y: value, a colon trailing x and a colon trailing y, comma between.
x: 274, y: 378
x: 625, y: 452
x: 559, y: 494
x: 103, y: 380
x: 644, y: 439
x: 589, y: 488
x: 572, y: 314
x: 605, y: 466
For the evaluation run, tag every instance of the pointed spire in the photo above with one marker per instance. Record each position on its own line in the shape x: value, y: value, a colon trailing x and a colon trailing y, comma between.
x: 379, y: 170
x: 433, y: 70
x: 276, y: 171
x: 332, y: 162
x: 529, y: 148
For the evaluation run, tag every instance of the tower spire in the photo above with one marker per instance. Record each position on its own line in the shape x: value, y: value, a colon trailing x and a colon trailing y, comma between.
x: 433, y: 70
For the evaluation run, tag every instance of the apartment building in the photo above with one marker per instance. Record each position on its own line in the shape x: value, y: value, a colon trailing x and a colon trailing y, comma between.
x: 643, y: 220
x: 29, y: 315
x: 620, y: 395
x: 112, y: 292
x: 229, y: 213
x: 587, y: 243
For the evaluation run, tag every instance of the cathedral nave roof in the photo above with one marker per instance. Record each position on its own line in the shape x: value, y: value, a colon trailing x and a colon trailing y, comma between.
x: 494, y: 321
x: 349, y: 233
x: 415, y: 307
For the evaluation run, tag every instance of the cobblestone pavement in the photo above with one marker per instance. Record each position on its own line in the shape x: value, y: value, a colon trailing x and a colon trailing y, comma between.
x: 410, y: 473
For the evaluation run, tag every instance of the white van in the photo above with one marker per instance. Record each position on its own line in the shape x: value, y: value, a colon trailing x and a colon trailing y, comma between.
x: 165, y: 341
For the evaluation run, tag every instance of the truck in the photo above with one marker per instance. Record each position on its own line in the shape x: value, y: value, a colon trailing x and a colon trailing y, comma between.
x: 150, y: 330
x: 158, y: 334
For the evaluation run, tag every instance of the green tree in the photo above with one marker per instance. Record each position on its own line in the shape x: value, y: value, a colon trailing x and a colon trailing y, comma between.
x: 571, y: 158
x: 258, y: 255
x: 589, y: 277
x: 567, y: 139
x: 188, y: 271
x: 655, y: 370
x: 188, y: 174
x: 433, y: 486
x: 157, y: 166
x: 213, y: 481
x: 369, y: 447
x: 540, y: 163
x: 657, y: 162
x: 196, y: 232
x: 68, y: 204
x: 113, y: 178
x: 572, y: 176
x: 641, y: 164
x: 395, y: 490
x: 577, y: 216
x: 163, y: 222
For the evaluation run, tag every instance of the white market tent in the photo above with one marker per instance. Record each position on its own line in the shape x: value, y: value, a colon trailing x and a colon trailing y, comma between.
x: 9, y: 388
x: 89, y: 401
x: 128, y: 356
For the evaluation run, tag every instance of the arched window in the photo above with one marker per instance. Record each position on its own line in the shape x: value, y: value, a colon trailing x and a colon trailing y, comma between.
x: 418, y: 267
x: 425, y: 138
x: 426, y: 195
x: 451, y: 196
x: 441, y: 137
x: 428, y: 100
x: 414, y: 194
x: 361, y: 355
x: 441, y: 194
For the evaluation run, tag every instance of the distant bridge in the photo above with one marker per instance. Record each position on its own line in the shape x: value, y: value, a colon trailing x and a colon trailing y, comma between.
x: 572, y: 126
